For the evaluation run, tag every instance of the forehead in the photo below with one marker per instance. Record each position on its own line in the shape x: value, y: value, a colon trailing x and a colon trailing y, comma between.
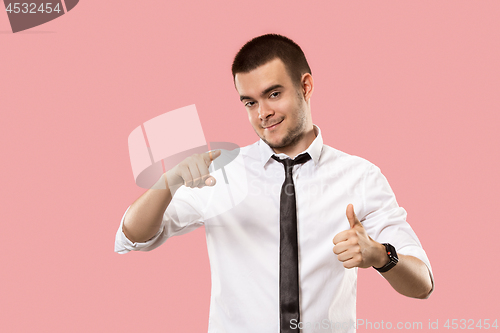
x: 254, y: 82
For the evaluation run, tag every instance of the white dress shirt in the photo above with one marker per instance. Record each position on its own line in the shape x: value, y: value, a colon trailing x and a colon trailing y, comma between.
x: 241, y: 218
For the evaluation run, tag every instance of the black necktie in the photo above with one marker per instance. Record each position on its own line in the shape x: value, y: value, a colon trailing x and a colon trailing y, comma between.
x: 289, y: 261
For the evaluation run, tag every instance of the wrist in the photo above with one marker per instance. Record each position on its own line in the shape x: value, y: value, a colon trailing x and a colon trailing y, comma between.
x: 381, y: 259
x: 392, y: 256
x: 172, y: 180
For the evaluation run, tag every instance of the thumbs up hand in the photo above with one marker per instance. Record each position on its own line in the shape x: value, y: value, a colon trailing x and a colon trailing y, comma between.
x: 354, y: 248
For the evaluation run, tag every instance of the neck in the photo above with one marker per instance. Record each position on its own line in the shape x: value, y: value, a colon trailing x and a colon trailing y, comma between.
x: 301, y: 145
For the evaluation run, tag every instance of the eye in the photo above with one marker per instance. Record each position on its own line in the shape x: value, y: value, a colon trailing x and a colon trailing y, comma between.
x: 249, y: 104
x: 274, y: 94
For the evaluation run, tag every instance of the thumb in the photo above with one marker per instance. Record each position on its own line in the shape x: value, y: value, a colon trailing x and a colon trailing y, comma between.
x: 351, y: 216
x: 210, y: 181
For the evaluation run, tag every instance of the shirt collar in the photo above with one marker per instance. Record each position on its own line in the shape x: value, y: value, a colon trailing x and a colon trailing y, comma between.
x: 314, y: 149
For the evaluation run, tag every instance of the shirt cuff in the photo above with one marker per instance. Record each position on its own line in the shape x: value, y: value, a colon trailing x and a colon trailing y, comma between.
x: 124, y: 245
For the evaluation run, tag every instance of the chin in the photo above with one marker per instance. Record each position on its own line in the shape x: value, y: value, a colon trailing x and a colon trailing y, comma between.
x: 276, y: 143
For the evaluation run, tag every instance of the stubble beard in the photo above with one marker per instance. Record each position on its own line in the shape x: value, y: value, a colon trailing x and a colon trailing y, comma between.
x: 295, y: 134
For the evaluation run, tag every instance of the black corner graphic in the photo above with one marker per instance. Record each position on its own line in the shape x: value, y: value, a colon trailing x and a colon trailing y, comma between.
x: 31, y: 13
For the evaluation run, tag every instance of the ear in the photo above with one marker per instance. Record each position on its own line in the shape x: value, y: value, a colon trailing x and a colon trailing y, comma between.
x: 307, y: 84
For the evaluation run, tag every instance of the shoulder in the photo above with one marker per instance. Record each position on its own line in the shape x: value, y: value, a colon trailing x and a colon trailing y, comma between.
x: 251, y: 150
x: 243, y: 155
x: 230, y: 151
x: 333, y: 156
x: 236, y: 158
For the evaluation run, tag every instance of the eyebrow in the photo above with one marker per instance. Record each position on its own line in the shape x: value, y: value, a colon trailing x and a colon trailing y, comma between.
x: 265, y: 92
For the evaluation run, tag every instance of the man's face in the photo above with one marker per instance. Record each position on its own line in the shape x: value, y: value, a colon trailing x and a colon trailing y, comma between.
x: 276, y: 108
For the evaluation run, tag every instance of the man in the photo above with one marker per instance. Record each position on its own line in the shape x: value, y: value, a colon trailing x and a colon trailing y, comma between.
x: 344, y: 213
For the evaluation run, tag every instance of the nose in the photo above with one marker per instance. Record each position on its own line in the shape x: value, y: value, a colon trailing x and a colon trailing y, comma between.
x: 265, y: 111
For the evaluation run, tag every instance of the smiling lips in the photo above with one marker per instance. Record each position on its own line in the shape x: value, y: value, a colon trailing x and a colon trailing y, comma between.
x: 273, y: 126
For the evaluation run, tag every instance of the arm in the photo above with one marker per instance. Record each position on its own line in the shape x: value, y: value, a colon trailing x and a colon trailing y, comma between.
x: 355, y: 248
x: 145, y: 215
x: 410, y: 277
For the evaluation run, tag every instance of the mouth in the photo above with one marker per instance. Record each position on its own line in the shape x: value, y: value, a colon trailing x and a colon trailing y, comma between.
x: 273, y: 126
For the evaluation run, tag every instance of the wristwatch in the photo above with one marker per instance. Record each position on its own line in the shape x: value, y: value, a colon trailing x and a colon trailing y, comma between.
x: 393, y: 258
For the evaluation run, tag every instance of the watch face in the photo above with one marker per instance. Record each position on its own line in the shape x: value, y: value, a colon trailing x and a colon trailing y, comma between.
x: 393, y: 258
x: 391, y: 252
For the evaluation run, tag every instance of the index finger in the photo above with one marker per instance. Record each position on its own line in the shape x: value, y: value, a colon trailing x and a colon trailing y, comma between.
x: 211, y: 155
x: 340, y: 237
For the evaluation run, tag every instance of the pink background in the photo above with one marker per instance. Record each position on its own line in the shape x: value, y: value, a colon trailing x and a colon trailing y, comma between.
x: 412, y: 86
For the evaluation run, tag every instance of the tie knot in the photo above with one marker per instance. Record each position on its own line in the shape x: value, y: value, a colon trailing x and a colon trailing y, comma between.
x: 289, y: 163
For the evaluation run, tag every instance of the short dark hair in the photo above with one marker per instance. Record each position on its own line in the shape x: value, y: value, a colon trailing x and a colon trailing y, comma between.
x: 265, y: 48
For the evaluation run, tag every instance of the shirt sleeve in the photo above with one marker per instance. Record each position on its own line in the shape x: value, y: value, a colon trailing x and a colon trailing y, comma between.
x: 385, y: 221
x: 184, y: 214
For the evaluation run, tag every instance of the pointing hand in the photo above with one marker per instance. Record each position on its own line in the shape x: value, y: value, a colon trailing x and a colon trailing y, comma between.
x: 193, y: 171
